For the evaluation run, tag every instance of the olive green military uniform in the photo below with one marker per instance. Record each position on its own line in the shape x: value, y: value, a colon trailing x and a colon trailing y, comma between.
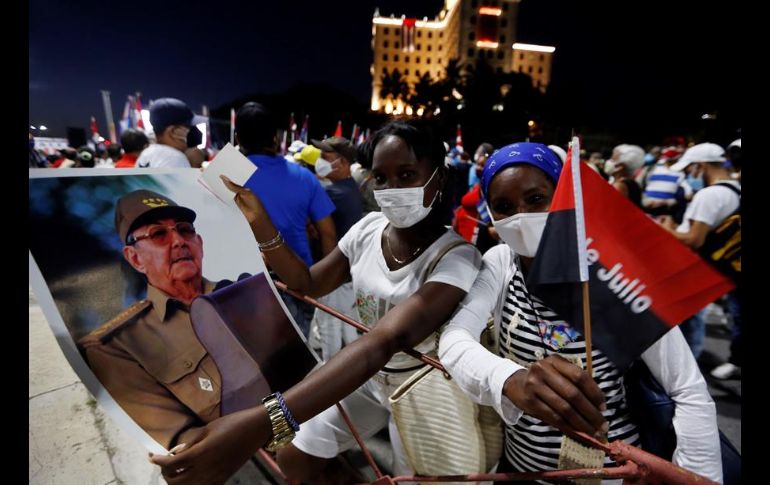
x: 154, y: 366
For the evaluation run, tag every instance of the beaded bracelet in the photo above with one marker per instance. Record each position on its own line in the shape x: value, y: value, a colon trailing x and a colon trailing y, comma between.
x: 274, y: 243
x: 289, y: 417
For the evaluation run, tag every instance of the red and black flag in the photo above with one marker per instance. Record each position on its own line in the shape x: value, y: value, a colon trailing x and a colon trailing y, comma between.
x: 642, y: 280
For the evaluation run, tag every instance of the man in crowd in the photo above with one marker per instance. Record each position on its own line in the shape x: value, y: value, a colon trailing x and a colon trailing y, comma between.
x: 133, y: 141
x: 290, y: 194
x: 172, y: 122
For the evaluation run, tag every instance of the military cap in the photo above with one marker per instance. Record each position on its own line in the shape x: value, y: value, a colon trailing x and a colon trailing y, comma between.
x: 144, y: 206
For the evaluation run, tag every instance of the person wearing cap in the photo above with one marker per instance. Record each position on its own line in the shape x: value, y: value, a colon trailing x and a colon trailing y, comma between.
x: 148, y: 357
x: 291, y: 194
x: 625, y: 160
x: 336, y: 156
x: 734, y: 158
x: 86, y: 157
x: 710, y: 206
x: 533, y: 381
x: 172, y: 121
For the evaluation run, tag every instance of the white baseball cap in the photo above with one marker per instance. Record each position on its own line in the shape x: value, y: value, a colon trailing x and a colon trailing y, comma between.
x: 703, y: 152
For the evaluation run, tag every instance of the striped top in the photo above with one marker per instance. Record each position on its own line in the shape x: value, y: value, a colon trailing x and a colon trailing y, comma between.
x: 530, y: 331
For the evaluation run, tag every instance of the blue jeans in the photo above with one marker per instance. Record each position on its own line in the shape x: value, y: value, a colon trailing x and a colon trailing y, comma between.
x: 734, y: 309
x: 694, y: 331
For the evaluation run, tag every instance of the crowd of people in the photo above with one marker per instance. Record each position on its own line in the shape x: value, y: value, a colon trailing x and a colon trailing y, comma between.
x: 409, y: 238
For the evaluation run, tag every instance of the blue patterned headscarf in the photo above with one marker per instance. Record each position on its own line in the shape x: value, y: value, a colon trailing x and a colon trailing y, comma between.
x: 535, y: 154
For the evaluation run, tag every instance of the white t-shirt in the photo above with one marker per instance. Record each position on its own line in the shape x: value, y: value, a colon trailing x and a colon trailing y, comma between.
x: 378, y: 289
x: 162, y: 156
x: 711, y: 205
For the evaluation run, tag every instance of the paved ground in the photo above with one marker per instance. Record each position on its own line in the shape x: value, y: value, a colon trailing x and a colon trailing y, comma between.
x: 71, y: 441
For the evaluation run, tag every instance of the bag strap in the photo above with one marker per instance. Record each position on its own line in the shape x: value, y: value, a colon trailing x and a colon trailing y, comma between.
x: 729, y: 186
x: 433, y: 264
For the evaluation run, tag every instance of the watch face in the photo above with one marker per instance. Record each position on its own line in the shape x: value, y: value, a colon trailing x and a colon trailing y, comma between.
x: 279, y: 442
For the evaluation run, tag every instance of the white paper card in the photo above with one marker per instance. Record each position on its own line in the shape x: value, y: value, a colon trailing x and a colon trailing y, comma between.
x: 232, y: 163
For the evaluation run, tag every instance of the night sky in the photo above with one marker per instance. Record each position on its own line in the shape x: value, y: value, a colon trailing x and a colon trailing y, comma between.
x: 624, y: 64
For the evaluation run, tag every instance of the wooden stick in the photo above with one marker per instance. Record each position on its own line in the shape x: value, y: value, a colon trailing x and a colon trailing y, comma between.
x: 587, y: 329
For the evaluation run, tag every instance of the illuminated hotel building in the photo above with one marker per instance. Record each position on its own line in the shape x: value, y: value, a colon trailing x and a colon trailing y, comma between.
x: 466, y: 30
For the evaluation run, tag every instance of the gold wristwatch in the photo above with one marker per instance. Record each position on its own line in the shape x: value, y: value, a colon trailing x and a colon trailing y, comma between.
x: 282, y: 431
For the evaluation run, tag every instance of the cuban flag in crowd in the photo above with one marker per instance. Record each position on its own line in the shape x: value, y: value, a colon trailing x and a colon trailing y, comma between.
x: 407, y: 34
x: 95, y: 137
x: 642, y: 280
x: 459, y: 140
x: 338, y: 131
x: 138, y: 111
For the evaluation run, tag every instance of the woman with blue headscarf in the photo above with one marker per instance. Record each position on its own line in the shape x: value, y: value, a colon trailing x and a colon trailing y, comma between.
x: 536, y: 382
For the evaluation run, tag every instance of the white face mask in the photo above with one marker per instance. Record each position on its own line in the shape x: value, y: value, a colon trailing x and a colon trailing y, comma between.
x: 323, y: 167
x: 403, y: 207
x: 610, y: 167
x: 522, y: 232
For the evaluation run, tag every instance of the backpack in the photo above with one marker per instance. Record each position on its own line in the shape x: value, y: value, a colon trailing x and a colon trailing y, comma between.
x: 722, y: 247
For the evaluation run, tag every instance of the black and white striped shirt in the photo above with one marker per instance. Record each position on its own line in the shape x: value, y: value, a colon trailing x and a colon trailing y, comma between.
x: 530, y: 444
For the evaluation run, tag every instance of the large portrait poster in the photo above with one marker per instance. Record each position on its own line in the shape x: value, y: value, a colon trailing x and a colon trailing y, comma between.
x: 171, y: 324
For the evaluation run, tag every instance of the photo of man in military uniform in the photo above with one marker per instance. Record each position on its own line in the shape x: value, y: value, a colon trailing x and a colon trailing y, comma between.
x: 148, y: 357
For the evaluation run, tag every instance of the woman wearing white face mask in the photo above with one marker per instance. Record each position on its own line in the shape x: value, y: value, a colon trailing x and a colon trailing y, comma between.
x: 533, y: 382
x: 388, y: 256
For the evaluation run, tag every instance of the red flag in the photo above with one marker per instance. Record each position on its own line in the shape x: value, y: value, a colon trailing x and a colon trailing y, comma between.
x: 94, y: 131
x: 459, y: 141
x: 338, y: 131
x: 139, y: 122
x: 642, y: 280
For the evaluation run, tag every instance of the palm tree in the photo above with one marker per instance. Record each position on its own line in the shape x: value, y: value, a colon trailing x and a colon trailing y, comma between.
x: 393, y: 85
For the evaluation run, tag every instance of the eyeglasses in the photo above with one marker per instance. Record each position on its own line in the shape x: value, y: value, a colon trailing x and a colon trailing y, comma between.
x: 161, y: 235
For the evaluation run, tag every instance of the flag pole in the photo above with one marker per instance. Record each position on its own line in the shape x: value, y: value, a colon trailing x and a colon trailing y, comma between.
x: 587, y: 329
x: 582, y: 250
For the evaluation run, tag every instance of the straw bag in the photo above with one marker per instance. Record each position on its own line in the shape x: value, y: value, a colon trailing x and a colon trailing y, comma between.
x: 442, y: 430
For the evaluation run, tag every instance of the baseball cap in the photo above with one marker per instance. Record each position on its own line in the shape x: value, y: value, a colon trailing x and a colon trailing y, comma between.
x: 165, y: 112
x: 143, y: 206
x: 309, y: 155
x: 632, y: 156
x: 337, y: 144
x: 703, y: 152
